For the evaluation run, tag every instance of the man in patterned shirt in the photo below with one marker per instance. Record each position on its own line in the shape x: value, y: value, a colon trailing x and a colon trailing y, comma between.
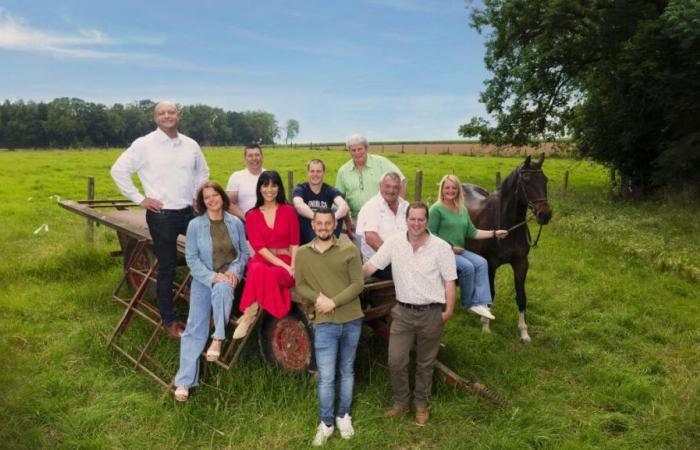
x: 424, y: 272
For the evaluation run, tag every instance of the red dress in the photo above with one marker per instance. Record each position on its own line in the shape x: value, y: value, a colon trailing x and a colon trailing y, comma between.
x: 266, y: 284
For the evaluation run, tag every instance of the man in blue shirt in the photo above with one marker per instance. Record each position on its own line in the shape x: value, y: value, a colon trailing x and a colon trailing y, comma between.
x: 314, y: 195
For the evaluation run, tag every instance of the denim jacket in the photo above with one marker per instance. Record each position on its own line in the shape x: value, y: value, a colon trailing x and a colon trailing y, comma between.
x: 198, y: 248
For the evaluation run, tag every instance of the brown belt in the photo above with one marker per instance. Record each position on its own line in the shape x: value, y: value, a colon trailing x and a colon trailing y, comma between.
x: 280, y: 251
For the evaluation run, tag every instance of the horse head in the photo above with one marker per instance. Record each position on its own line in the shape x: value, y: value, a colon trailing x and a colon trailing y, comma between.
x: 531, y: 189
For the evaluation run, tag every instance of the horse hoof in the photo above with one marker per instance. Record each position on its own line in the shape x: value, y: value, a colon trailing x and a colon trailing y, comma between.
x: 525, y: 339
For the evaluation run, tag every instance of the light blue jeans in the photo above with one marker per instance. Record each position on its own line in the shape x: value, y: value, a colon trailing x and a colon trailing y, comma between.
x: 473, y: 276
x: 203, y: 301
x: 335, y: 345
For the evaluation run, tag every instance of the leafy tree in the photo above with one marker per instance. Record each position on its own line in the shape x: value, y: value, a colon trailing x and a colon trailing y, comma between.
x: 621, y: 77
x: 291, y: 130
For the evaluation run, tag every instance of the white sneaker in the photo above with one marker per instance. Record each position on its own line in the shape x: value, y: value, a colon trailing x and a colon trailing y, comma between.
x: 344, y: 425
x: 322, y: 434
x: 483, y: 311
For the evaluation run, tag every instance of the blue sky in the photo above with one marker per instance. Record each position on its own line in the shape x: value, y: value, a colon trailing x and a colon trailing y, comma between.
x: 390, y: 69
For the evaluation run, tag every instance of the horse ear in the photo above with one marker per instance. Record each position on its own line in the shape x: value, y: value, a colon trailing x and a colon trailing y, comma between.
x: 527, y: 161
x: 541, y: 160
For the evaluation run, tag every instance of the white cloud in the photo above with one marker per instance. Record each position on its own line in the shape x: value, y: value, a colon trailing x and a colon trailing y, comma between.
x: 93, y: 44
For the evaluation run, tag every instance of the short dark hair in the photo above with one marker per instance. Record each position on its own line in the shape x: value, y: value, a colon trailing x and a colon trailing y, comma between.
x: 418, y: 205
x: 269, y: 177
x: 252, y: 146
x: 324, y: 210
x: 316, y: 161
x: 199, y: 202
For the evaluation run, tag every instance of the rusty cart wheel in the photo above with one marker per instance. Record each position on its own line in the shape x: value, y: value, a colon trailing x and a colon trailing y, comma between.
x: 288, y: 341
x: 143, y: 261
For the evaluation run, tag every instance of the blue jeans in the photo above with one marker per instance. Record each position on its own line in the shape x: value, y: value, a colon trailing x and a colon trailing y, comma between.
x: 203, y: 301
x: 473, y: 276
x: 335, y: 343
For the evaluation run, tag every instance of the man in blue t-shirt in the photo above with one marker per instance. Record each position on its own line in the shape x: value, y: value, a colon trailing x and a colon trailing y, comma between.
x: 314, y: 194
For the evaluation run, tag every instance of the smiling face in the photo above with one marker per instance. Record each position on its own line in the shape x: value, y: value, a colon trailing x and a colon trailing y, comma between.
x: 450, y: 190
x: 417, y: 221
x: 389, y: 188
x: 315, y: 173
x: 269, y: 192
x: 253, y: 159
x: 212, y: 200
x: 323, y: 225
x: 166, y: 116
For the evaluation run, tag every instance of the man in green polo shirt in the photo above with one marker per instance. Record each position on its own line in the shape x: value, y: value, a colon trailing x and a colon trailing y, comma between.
x: 358, y: 179
x: 328, y: 275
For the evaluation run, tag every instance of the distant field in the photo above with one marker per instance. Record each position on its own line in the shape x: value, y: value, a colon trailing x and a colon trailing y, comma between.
x: 456, y: 148
x: 613, y: 313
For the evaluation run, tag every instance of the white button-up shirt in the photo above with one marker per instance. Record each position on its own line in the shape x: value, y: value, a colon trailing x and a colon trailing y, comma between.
x: 419, y: 277
x: 170, y: 170
x: 377, y: 216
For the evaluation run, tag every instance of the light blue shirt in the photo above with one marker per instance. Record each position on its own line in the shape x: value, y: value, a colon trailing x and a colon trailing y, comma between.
x: 198, y: 248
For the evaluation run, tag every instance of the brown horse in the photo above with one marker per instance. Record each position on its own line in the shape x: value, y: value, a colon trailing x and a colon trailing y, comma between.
x: 525, y: 188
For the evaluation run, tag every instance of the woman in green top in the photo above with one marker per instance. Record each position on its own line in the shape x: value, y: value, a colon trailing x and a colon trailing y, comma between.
x: 449, y: 220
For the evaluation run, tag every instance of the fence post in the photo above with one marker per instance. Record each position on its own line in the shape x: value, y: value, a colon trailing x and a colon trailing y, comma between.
x: 498, y: 180
x: 290, y: 185
x: 566, y: 183
x: 89, y: 224
x: 401, y: 148
x: 418, y: 193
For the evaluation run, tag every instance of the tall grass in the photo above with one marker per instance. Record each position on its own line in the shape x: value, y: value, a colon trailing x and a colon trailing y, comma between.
x: 613, y: 315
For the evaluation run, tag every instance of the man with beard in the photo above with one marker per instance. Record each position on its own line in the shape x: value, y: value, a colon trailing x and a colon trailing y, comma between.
x: 328, y: 273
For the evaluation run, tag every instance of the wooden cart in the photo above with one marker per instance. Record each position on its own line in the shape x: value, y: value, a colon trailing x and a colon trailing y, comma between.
x: 286, y: 341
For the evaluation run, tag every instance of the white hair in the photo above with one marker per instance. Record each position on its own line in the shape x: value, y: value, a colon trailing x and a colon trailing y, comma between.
x: 356, y: 139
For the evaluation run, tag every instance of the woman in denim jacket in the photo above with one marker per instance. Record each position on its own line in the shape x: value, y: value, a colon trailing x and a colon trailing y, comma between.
x: 217, y: 253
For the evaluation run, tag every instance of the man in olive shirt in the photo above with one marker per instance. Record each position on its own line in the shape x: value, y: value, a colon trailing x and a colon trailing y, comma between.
x: 328, y: 274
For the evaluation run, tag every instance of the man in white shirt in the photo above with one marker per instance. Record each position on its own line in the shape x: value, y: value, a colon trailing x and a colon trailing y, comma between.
x: 241, y: 184
x: 171, y: 167
x: 382, y: 216
x: 424, y: 272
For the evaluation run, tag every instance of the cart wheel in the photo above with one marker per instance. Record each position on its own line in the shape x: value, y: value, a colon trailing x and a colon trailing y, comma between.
x: 143, y: 261
x: 288, y: 341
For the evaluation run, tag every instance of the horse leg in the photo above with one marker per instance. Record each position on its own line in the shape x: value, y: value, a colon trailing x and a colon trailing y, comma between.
x: 520, y: 267
x: 486, y: 323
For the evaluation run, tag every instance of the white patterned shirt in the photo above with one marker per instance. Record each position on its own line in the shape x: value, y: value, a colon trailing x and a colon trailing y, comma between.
x: 419, y: 277
x: 170, y: 170
x: 376, y: 216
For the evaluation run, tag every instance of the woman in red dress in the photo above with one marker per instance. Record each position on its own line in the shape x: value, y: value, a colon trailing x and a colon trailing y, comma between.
x: 273, y: 232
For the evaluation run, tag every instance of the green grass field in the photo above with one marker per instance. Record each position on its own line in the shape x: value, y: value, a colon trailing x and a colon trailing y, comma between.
x: 613, y: 313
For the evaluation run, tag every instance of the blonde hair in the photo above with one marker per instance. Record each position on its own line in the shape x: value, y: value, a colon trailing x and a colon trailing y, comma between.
x: 459, y: 200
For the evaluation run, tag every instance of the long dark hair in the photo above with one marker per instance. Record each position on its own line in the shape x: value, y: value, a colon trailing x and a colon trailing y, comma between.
x: 269, y: 177
x: 201, y: 207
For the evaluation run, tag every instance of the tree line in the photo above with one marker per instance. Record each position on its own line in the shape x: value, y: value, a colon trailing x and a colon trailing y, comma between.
x: 73, y: 123
x: 620, y: 77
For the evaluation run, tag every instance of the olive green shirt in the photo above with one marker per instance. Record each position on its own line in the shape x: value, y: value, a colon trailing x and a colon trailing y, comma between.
x: 359, y: 186
x: 337, y: 273
x: 450, y: 226
x: 222, y: 249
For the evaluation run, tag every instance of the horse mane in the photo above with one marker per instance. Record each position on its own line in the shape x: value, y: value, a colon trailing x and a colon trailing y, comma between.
x: 511, y: 181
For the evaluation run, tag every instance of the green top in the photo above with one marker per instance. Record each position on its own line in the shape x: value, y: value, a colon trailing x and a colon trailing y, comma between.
x: 337, y: 273
x: 222, y: 249
x: 358, y: 187
x: 451, y: 226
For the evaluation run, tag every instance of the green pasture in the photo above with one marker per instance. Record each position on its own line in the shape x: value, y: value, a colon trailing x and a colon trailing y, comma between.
x: 613, y: 313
